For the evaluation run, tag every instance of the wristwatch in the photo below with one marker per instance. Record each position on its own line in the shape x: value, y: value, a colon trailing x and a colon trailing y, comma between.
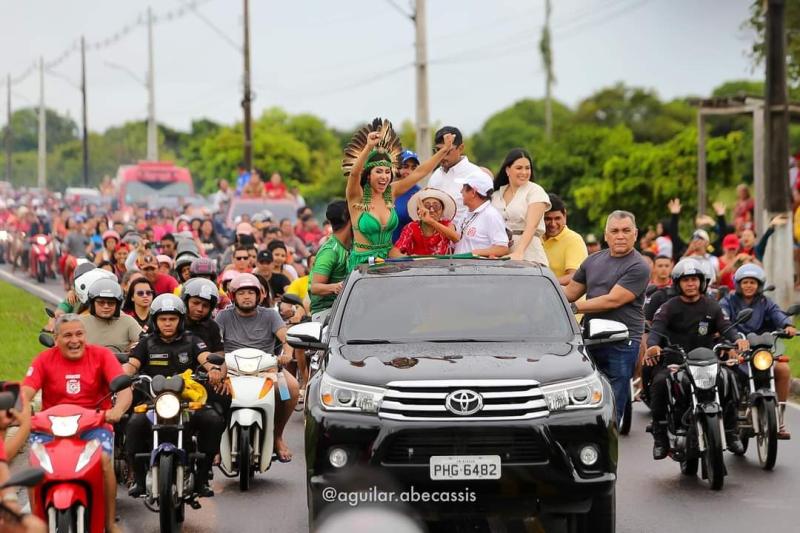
x: 574, y: 307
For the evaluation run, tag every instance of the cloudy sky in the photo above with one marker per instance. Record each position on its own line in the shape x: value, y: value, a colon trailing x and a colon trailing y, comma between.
x: 350, y: 60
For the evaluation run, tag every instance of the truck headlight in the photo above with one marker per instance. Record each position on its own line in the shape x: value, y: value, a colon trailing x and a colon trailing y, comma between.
x: 586, y: 393
x: 341, y: 396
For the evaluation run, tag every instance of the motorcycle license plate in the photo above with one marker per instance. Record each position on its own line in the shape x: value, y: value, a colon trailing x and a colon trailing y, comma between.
x: 448, y: 467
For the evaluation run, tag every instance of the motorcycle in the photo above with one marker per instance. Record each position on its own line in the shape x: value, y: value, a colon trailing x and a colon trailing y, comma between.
x: 246, y: 444
x: 760, y: 414
x: 694, y: 412
x: 71, y: 498
x: 171, y: 477
x: 40, y: 257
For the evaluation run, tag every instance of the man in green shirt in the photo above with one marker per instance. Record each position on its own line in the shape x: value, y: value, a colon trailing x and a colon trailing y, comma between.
x: 330, y: 268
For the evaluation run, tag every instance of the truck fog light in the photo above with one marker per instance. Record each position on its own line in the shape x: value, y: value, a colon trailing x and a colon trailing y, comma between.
x: 589, y: 455
x: 337, y: 457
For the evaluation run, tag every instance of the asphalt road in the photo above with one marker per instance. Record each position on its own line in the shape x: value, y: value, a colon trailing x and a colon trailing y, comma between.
x: 651, y: 496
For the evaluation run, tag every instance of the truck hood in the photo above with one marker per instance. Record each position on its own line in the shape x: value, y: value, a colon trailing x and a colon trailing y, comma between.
x: 379, y: 364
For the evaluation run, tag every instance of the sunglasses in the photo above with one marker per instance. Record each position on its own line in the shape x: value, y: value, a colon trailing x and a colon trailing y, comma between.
x: 145, y: 293
x: 432, y: 206
x: 149, y: 269
x: 242, y: 257
x: 105, y: 303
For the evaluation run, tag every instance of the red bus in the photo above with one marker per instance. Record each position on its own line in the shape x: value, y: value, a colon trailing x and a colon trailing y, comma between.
x: 148, y: 182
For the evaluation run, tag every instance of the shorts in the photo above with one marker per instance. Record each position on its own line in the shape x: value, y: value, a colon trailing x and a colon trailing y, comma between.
x: 105, y: 436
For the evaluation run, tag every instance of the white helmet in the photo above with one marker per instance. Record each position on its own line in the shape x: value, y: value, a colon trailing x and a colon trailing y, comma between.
x: 85, y: 280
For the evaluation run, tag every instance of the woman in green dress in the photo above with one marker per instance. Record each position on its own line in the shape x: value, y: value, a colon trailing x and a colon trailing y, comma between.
x: 370, y: 164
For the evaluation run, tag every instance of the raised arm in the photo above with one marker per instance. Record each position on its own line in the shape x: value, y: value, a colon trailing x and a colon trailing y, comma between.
x: 354, y: 191
x: 400, y: 187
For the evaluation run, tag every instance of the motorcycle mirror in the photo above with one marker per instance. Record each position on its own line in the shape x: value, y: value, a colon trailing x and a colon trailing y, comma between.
x: 120, y: 383
x: 744, y: 315
x: 122, y: 357
x: 26, y: 478
x: 769, y: 288
x: 46, y: 340
x: 793, y: 309
x: 215, y: 359
x: 49, y: 312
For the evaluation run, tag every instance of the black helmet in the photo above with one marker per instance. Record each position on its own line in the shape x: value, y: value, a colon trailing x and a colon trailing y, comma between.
x: 167, y: 304
x: 105, y: 288
x: 202, y: 288
x: 689, y: 267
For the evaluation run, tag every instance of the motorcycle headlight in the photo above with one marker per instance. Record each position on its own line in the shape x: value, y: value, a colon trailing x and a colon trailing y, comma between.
x: 704, y: 377
x: 64, y: 426
x: 40, y: 452
x: 41, y: 241
x: 168, y: 405
x: 340, y: 396
x: 3, y: 235
x: 584, y: 393
x: 762, y: 360
x: 86, y: 454
x: 248, y: 365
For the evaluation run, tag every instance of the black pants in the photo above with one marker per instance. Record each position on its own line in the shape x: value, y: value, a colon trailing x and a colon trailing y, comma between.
x: 726, y: 386
x: 206, y: 424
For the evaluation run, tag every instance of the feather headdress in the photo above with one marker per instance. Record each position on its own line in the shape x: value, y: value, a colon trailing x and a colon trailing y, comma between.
x: 389, y: 144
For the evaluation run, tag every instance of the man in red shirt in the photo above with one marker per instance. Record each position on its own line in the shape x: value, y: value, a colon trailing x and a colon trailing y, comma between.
x: 162, y: 283
x: 78, y: 373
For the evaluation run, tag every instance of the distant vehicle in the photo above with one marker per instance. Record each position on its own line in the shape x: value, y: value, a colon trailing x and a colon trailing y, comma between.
x: 83, y: 196
x: 148, y: 180
x: 278, y: 209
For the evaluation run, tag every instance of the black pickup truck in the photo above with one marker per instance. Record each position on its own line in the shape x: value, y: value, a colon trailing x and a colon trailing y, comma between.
x: 469, y: 377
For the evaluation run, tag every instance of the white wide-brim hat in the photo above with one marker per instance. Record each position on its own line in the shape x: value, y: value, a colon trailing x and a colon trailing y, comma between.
x: 438, y: 194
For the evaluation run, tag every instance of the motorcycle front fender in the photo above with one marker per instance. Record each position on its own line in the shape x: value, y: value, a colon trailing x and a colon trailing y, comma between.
x: 246, y: 418
x: 761, y: 395
x: 167, y: 448
x: 65, y: 495
x: 709, y: 410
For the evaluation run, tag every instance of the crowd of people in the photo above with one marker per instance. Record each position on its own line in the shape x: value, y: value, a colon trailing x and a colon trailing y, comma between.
x: 169, y: 288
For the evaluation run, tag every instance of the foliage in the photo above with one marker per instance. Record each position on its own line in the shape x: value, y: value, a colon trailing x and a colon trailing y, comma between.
x: 757, y: 22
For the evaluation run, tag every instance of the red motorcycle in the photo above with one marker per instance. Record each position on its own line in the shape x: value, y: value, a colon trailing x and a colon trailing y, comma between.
x: 40, y: 257
x: 72, y: 497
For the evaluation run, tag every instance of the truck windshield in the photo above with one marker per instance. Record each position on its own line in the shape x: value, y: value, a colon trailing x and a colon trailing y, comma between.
x: 141, y: 191
x: 455, y: 308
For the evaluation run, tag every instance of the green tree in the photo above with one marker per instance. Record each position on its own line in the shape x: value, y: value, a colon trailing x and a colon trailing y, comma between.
x: 757, y: 22
x: 25, y: 129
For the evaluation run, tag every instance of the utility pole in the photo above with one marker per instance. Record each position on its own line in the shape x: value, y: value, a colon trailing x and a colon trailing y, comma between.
x: 778, y: 258
x: 152, y: 132
x: 8, y: 130
x: 423, y: 126
x: 247, y: 99
x: 41, y: 180
x: 85, y: 114
x: 547, y: 59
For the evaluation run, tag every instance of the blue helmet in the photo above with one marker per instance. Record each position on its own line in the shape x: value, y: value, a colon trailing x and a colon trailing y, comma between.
x: 750, y: 271
x: 408, y: 154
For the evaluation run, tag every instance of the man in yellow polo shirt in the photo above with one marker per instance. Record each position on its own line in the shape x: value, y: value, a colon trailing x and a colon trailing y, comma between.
x: 565, y: 248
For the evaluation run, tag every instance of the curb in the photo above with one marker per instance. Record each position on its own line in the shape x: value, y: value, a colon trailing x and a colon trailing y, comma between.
x: 795, y: 387
x: 39, y: 292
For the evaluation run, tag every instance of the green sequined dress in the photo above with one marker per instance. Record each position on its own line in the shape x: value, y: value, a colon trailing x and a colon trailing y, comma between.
x: 379, y: 238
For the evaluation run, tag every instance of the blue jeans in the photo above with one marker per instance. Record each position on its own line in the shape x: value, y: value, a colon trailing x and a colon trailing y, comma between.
x: 617, y: 362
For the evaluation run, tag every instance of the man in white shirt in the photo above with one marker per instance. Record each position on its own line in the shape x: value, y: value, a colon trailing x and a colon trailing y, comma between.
x: 454, y: 165
x: 483, y: 231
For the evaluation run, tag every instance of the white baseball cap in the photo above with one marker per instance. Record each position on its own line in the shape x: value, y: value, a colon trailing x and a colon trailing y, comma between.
x: 479, y: 180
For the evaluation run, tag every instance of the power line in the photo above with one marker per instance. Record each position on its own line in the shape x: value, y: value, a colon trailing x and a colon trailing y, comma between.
x: 400, y: 9
x: 221, y: 33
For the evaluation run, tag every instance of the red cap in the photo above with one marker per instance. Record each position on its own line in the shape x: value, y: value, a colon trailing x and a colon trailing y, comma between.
x: 730, y: 242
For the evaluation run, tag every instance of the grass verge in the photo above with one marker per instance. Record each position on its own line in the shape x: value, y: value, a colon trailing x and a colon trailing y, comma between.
x: 21, y: 318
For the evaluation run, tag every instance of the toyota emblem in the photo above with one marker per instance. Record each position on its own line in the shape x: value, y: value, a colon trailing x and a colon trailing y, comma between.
x: 463, y: 402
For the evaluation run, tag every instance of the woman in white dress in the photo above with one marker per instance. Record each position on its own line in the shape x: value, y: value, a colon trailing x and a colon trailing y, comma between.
x: 523, y: 205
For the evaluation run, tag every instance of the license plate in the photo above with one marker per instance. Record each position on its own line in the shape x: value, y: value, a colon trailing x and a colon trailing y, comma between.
x: 445, y: 467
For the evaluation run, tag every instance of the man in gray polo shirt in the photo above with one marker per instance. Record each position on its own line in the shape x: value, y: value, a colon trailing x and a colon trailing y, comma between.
x: 614, y: 281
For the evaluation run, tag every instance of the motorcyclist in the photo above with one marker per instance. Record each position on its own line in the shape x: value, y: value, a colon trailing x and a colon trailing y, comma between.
x: 201, y: 297
x: 247, y: 325
x: 87, y: 371
x: 167, y: 351
x: 749, y: 281
x: 105, y: 325
x: 691, y: 320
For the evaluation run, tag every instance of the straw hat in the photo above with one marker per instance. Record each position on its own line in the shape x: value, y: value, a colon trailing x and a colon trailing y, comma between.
x: 438, y: 194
